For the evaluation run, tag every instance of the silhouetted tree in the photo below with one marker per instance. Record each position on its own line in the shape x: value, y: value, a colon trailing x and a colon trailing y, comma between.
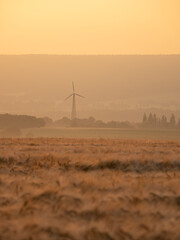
x: 100, y: 123
x: 164, y: 122
x: 64, y: 122
x: 91, y: 121
x: 48, y: 121
x: 150, y: 120
x: 172, y: 121
x: 154, y: 120
x: 144, y: 120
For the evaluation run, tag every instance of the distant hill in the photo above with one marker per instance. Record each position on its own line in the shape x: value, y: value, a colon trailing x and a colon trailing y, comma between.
x: 116, y: 87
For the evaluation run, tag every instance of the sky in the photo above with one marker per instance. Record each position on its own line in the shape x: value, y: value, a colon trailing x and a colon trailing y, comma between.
x: 89, y: 27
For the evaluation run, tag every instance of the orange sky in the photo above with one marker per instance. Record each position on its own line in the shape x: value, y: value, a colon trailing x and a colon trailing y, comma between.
x: 89, y: 26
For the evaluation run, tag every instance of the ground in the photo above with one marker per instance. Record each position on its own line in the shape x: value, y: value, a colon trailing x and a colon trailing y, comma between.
x: 88, y: 189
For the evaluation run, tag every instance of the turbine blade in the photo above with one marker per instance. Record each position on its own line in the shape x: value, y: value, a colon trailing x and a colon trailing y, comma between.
x: 80, y: 95
x: 73, y: 86
x: 68, y: 97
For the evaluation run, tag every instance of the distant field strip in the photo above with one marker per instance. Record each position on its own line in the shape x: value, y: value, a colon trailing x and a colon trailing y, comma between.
x: 88, y: 189
x: 109, y: 133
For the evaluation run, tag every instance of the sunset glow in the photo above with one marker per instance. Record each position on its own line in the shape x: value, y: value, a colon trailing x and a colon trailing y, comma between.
x: 89, y: 27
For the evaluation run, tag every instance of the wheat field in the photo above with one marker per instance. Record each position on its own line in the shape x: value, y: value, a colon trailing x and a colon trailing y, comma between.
x: 88, y: 189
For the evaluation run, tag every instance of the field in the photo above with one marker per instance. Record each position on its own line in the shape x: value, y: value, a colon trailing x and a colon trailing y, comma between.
x: 111, y: 133
x: 89, y: 189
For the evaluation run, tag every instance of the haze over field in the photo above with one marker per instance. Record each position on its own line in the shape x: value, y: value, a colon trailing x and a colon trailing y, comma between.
x: 115, y: 87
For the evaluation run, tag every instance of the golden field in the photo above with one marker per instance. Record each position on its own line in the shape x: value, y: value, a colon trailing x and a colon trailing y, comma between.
x: 88, y: 189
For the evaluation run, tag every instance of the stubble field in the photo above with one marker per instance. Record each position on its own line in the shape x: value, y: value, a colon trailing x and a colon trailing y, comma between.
x: 88, y: 189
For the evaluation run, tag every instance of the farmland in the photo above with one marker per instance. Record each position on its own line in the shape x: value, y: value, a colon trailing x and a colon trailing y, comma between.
x: 88, y: 189
x: 110, y: 133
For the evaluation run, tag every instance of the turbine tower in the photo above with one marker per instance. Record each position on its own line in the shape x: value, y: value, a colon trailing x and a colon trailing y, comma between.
x: 74, y: 94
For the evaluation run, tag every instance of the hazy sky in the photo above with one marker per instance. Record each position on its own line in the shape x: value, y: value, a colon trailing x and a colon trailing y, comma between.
x: 90, y: 26
x: 38, y: 84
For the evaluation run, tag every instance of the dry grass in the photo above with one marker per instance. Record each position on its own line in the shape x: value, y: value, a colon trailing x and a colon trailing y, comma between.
x: 89, y: 189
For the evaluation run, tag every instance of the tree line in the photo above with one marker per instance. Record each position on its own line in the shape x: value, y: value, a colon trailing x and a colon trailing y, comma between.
x: 91, y: 122
x: 20, y: 121
x: 149, y: 121
x: 152, y: 121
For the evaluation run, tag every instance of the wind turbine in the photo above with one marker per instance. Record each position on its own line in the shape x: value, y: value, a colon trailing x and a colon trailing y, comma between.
x: 74, y: 94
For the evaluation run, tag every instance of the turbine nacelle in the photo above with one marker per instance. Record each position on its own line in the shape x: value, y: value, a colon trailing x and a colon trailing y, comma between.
x: 74, y: 94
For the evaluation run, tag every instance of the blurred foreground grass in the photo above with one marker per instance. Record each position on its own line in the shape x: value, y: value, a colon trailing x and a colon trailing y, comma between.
x: 88, y: 189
